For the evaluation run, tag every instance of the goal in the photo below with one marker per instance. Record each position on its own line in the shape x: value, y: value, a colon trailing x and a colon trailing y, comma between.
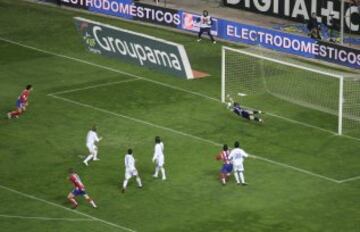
x: 325, y: 99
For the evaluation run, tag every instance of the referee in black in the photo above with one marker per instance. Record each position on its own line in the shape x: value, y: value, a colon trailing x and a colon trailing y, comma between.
x: 205, y: 26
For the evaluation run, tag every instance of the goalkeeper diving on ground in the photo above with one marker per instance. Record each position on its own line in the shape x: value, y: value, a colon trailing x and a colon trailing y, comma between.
x: 249, y: 114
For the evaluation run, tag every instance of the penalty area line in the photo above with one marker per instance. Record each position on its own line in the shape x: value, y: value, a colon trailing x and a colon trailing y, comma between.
x: 190, y: 136
x: 350, y: 179
x: 67, y: 209
x: 95, y: 86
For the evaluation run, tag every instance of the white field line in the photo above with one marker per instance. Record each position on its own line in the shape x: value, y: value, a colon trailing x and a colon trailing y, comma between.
x: 350, y: 179
x: 67, y: 209
x: 298, y: 169
x: 134, y: 119
x: 46, y: 218
x: 162, y: 84
x: 96, y: 86
x: 189, y: 135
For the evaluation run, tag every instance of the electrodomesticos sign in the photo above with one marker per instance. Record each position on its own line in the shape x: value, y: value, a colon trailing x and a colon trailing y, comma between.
x: 133, y: 47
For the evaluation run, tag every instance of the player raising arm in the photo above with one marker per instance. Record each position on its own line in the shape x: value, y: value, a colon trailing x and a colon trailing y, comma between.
x: 130, y: 170
x: 227, y: 166
x: 91, y: 140
x: 159, y: 158
x: 237, y: 157
x: 21, y: 103
x: 79, y: 190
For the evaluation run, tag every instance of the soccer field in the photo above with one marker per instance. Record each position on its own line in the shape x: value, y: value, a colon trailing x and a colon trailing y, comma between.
x: 303, y: 179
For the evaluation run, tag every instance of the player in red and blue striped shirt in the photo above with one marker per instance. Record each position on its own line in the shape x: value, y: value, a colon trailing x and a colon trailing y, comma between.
x: 79, y: 190
x: 227, y: 167
x: 21, y: 103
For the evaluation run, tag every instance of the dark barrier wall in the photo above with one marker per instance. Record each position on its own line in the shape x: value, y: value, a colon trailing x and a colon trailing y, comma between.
x: 298, y: 10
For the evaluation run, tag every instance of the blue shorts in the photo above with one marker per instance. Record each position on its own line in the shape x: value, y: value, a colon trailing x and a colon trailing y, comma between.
x: 78, y: 192
x: 245, y: 114
x: 226, y: 168
x: 19, y: 104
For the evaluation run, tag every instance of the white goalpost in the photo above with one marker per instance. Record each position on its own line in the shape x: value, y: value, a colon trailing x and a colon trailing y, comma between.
x: 264, y: 80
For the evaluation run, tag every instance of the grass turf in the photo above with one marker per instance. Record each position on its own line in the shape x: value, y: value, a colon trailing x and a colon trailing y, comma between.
x: 37, y: 149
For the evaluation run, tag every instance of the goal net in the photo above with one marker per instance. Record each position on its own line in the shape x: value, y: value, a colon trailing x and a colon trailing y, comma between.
x: 294, y: 90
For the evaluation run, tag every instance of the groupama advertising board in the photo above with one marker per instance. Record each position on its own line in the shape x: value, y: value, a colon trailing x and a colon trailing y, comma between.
x: 137, y: 48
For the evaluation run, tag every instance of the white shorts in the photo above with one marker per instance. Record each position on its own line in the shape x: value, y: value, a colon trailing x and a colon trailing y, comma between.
x: 238, y: 167
x: 130, y: 173
x: 160, y: 162
x: 92, y: 148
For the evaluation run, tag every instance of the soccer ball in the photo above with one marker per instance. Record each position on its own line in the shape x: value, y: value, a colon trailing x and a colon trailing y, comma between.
x: 228, y: 104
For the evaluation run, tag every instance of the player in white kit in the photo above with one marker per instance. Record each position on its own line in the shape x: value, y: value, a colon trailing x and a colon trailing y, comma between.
x: 237, y: 157
x: 91, y: 140
x: 159, y: 158
x: 130, y: 170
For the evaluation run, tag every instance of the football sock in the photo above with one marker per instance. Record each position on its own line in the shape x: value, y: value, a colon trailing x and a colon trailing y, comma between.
x: 91, y: 202
x: 89, y: 157
x: 95, y: 155
x: 15, y: 113
x: 163, y: 173
x: 237, y: 177
x: 125, y: 184
x: 138, y: 180
x: 242, y: 178
x: 156, y: 172
x: 73, y: 201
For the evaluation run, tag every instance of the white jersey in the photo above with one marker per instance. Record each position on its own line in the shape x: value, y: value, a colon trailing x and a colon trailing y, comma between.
x: 129, y: 162
x: 237, y: 156
x: 205, y: 21
x: 158, y: 151
x: 91, y: 138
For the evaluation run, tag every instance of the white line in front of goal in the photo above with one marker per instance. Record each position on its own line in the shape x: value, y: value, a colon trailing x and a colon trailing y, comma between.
x: 67, y: 209
x: 95, y: 86
x: 163, y: 84
x: 350, y: 179
x: 46, y: 218
x: 190, y: 136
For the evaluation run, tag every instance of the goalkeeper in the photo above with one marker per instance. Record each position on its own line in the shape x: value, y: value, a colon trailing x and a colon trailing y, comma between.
x: 245, y: 113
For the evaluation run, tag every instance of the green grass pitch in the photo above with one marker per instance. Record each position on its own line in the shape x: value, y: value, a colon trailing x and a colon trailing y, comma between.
x: 298, y: 183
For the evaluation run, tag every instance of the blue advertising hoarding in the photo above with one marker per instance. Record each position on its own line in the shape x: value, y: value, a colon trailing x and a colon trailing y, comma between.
x: 224, y: 29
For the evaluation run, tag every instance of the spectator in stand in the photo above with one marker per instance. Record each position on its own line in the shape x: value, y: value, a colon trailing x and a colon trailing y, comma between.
x: 314, y: 27
x: 333, y: 27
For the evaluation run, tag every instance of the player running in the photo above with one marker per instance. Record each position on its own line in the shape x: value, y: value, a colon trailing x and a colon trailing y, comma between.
x: 227, y: 166
x: 248, y: 114
x: 78, y: 191
x: 21, y: 103
x: 130, y: 170
x: 237, y: 157
x: 91, y: 140
x: 159, y: 158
